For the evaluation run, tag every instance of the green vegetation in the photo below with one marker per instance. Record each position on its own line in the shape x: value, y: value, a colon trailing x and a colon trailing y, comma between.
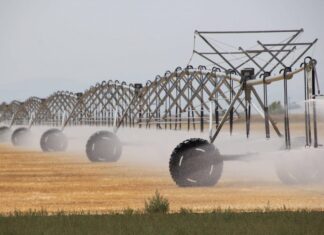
x: 155, y: 219
x: 157, y: 204
x: 276, y: 107
x: 302, y: 222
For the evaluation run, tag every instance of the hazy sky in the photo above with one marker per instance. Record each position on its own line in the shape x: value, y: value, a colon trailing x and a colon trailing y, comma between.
x: 50, y: 45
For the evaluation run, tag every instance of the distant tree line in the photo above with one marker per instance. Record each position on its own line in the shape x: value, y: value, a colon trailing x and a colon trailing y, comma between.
x: 276, y: 107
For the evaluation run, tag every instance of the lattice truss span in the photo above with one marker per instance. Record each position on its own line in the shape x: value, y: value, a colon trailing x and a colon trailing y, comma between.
x: 184, y: 98
x: 177, y: 99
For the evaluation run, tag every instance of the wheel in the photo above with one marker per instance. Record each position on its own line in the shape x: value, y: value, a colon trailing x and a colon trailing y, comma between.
x: 299, y: 170
x: 4, y: 133
x: 21, y: 137
x: 287, y: 172
x: 53, y: 140
x: 285, y: 167
x: 195, y: 162
x: 294, y: 167
x: 103, y: 146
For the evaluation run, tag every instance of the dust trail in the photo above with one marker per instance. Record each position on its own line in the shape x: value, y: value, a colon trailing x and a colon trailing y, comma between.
x: 151, y: 148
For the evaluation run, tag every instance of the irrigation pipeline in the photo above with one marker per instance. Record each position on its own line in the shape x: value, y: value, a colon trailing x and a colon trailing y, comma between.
x: 178, y: 100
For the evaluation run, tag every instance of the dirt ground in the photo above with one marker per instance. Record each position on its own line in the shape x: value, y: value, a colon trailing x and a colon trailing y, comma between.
x: 30, y: 179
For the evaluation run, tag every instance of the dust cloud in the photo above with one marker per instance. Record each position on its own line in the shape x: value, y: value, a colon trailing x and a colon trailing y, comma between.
x: 152, y: 148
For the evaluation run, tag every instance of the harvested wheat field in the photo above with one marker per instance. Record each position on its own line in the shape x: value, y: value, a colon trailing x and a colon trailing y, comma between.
x: 30, y: 179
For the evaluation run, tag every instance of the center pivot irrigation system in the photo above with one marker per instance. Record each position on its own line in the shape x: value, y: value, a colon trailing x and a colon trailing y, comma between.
x: 184, y: 99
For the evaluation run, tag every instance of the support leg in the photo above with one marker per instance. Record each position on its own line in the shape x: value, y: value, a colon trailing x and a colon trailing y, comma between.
x: 226, y: 115
x: 263, y: 108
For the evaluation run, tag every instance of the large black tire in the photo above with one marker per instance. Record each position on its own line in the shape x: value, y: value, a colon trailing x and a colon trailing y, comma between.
x: 299, y: 170
x: 53, y: 140
x: 4, y: 133
x: 21, y: 137
x: 195, y: 163
x: 103, y: 146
